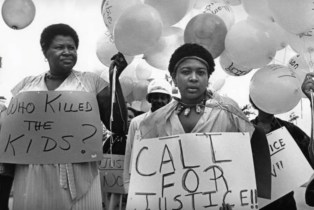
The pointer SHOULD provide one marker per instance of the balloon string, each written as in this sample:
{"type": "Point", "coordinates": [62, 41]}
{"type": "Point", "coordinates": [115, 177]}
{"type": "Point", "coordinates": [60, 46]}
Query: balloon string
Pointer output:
{"type": "Point", "coordinates": [285, 56]}
{"type": "Point", "coordinates": [309, 58]}
{"type": "Point", "coordinates": [113, 91]}
{"type": "Point", "coordinates": [312, 120]}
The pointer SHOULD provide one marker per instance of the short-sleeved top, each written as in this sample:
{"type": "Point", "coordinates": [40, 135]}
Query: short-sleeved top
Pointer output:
{"type": "Point", "coordinates": [38, 184]}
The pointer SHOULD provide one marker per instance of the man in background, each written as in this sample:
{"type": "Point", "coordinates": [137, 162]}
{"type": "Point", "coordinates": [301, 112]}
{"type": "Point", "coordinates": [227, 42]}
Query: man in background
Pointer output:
{"type": "Point", "coordinates": [158, 95]}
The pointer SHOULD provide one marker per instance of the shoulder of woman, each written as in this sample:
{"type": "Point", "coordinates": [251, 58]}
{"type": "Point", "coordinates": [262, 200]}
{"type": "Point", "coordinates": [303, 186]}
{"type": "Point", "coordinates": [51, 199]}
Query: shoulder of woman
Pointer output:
{"type": "Point", "coordinates": [91, 76]}
{"type": "Point", "coordinates": [225, 100]}
{"type": "Point", "coordinates": [22, 83]}
{"type": "Point", "coordinates": [226, 104]}
{"type": "Point", "coordinates": [86, 73]}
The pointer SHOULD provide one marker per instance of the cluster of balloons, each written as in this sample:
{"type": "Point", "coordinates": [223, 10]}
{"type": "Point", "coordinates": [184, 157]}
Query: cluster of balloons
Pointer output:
{"type": "Point", "coordinates": [148, 31]}
{"type": "Point", "coordinates": [276, 88]}
{"type": "Point", "coordinates": [153, 29]}
{"type": "Point", "coordinates": [144, 31]}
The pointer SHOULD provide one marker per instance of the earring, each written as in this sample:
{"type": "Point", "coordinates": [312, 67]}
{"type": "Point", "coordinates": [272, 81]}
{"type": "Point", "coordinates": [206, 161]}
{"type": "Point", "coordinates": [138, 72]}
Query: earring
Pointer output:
{"type": "Point", "coordinates": [45, 60]}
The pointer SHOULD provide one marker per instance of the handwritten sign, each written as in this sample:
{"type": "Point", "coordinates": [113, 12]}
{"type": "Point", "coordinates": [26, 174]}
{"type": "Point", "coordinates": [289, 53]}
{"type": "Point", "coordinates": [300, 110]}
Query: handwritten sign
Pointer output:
{"type": "Point", "coordinates": [290, 169]}
{"type": "Point", "coordinates": [51, 127]}
{"type": "Point", "coordinates": [111, 174]}
{"type": "Point", "coordinates": [193, 171]}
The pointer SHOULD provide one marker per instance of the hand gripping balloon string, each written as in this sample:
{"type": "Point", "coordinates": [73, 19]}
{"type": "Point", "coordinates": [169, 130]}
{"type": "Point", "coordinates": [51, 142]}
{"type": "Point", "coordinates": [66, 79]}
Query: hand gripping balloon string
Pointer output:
{"type": "Point", "coordinates": [310, 65]}
{"type": "Point", "coordinates": [113, 91]}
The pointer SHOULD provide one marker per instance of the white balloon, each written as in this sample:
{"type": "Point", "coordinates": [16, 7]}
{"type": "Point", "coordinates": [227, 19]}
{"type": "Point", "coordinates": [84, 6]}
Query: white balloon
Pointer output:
{"type": "Point", "coordinates": [171, 11]}
{"type": "Point", "coordinates": [127, 85]}
{"type": "Point", "coordinates": [137, 29]}
{"type": "Point", "coordinates": [143, 70]}
{"type": "Point", "coordinates": [106, 48]}
{"type": "Point", "coordinates": [222, 10]}
{"type": "Point", "coordinates": [303, 42]}
{"type": "Point", "coordinates": [145, 105]}
{"type": "Point", "coordinates": [184, 21]}
{"type": "Point", "coordinates": [252, 49]}
{"type": "Point", "coordinates": [207, 30]}
{"type": "Point", "coordinates": [18, 14]}
{"type": "Point", "coordinates": [273, 30]}
{"type": "Point", "coordinates": [112, 9]}
{"type": "Point", "coordinates": [159, 55]}
{"type": "Point", "coordinates": [140, 90]}
{"type": "Point", "coordinates": [136, 104]}
{"type": "Point", "coordinates": [294, 16]}
{"type": "Point", "coordinates": [232, 68]}
{"type": "Point", "coordinates": [258, 9]}
{"type": "Point", "coordinates": [105, 75]}
{"type": "Point", "coordinates": [298, 62]}
{"type": "Point", "coordinates": [275, 89]}
{"type": "Point", "coordinates": [129, 71]}
{"type": "Point", "coordinates": [199, 4]}
{"type": "Point", "coordinates": [233, 2]}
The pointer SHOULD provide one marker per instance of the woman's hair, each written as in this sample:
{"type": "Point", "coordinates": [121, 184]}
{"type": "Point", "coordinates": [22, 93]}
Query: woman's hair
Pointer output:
{"type": "Point", "coordinates": [191, 50]}
{"type": "Point", "coordinates": [50, 32]}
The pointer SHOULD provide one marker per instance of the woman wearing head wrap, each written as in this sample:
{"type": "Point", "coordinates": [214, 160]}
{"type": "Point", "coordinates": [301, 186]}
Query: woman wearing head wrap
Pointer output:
{"type": "Point", "coordinates": [70, 185]}
{"type": "Point", "coordinates": [198, 110]}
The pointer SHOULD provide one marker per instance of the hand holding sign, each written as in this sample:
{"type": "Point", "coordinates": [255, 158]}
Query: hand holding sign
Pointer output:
{"type": "Point", "coordinates": [177, 172]}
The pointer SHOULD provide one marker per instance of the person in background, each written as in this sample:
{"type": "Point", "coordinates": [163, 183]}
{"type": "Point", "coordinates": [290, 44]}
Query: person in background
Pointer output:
{"type": "Point", "coordinates": [308, 89]}
{"type": "Point", "coordinates": [6, 170]}
{"type": "Point", "coordinates": [308, 85]}
{"type": "Point", "coordinates": [117, 144]}
{"type": "Point", "coordinates": [116, 147]}
{"type": "Point", "coordinates": [48, 186]}
{"type": "Point", "coordinates": [159, 92]}
{"type": "Point", "coordinates": [133, 113]}
{"type": "Point", "coordinates": [198, 110]}
{"type": "Point", "coordinates": [268, 122]}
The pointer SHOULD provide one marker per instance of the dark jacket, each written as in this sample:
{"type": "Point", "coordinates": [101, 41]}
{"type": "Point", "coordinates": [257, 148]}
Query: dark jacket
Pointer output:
{"type": "Point", "coordinates": [287, 202]}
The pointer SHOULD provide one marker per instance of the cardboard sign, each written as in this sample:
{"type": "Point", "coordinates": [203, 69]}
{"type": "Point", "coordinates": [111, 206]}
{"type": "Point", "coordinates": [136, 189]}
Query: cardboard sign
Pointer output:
{"type": "Point", "coordinates": [193, 171]}
{"type": "Point", "coordinates": [290, 169]}
{"type": "Point", "coordinates": [111, 174]}
{"type": "Point", "coordinates": [51, 127]}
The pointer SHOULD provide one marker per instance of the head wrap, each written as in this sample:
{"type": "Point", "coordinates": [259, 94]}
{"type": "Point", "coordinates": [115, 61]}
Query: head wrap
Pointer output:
{"type": "Point", "coordinates": [191, 51]}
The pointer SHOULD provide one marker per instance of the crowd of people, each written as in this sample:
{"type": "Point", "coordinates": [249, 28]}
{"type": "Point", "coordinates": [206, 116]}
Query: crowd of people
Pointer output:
{"type": "Point", "coordinates": [198, 110]}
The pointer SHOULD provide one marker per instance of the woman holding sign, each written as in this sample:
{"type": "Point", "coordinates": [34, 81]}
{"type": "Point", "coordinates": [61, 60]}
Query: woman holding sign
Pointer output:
{"type": "Point", "coordinates": [66, 185]}
{"type": "Point", "coordinates": [198, 110]}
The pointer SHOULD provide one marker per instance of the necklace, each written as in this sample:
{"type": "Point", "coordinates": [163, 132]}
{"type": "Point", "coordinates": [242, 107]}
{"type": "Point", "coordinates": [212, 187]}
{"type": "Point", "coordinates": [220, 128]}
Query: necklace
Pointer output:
{"type": "Point", "coordinates": [51, 76]}
{"type": "Point", "coordinates": [199, 107]}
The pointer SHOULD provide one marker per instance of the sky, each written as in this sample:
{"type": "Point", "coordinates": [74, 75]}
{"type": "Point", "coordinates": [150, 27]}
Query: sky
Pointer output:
{"type": "Point", "coordinates": [21, 53]}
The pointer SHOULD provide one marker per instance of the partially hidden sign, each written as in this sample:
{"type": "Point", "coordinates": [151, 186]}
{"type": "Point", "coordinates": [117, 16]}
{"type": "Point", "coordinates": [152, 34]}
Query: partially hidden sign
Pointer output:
{"type": "Point", "coordinates": [193, 171]}
{"type": "Point", "coordinates": [42, 127]}
{"type": "Point", "coordinates": [290, 168]}
{"type": "Point", "coordinates": [111, 174]}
